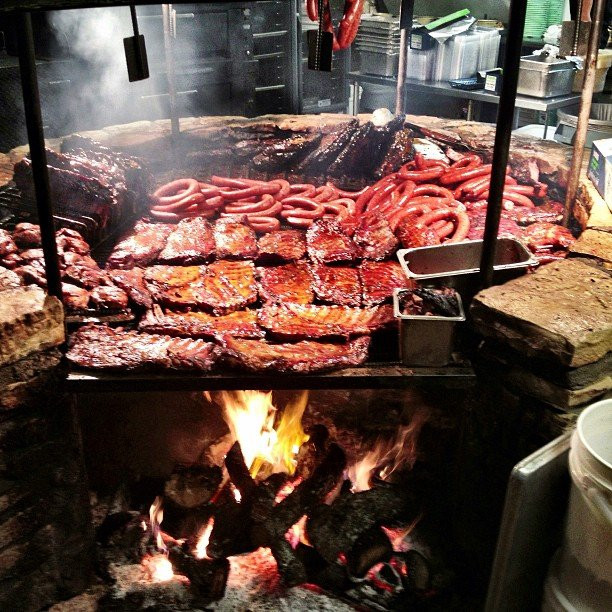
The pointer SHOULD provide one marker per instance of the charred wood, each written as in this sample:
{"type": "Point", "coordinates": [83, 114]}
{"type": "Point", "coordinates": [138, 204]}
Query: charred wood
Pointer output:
{"type": "Point", "coordinates": [239, 472]}
{"type": "Point", "coordinates": [371, 547]}
{"type": "Point", "coordinates": [207, 577]}
{"type": "Point", "coordinates": [335, 529]}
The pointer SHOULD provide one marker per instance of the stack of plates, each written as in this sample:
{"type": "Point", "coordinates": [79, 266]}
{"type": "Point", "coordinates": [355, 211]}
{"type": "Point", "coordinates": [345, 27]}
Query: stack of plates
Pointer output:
{"type": "Point", "coordinates": [379, 33]}
{"type": "Point", "coordinates": [536, 18]}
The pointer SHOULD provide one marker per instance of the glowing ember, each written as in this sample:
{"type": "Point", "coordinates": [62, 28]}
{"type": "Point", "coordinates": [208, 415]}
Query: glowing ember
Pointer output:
{"type": "Point", "coordinates": [388, 455]}
{"type": "Point", "coordinates": [158, 568]}
{"type": "Point", "coordinates": [236, 493]}
{"type": "Point", "coordinates": [251, 418]}
{"type": "Point", "coordinates": [286, 490]}
{"type": "Point", "coordinates": [204, 539]}
{"type": "Point", "coordinates": [297, 533]}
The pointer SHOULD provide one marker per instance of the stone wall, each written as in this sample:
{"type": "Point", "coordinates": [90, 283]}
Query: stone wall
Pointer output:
{"type": "Point", "coordinates": [45, 534]}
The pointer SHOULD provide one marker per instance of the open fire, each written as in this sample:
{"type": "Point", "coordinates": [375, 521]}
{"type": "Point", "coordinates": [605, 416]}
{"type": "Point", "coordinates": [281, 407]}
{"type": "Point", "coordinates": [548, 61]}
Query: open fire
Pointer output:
{"type": "Point", "coordinates": [293, 493]}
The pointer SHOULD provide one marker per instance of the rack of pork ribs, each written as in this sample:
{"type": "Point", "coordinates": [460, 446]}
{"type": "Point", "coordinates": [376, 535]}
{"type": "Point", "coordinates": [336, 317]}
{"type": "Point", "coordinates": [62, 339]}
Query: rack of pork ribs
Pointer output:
{"type": "Point", "coordinates": [215, 293]}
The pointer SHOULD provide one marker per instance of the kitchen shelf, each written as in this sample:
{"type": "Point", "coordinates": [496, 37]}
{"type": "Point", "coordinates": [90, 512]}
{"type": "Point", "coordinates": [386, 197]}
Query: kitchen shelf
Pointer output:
{"type": "Point", "coordinates": [370, 376]}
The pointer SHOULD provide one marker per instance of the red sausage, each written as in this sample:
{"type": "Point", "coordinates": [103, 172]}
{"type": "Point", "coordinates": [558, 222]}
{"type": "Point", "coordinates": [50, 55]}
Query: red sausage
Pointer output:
{"type": "Point", "coordinates": [306, 190]}
{"type": "Point", "coordinates": [225, 181]}
{"type": "Point", "coordinates": [470, 160]}
{"type": "Point", "coordinates": [421, 176]}
{"type": "Point", "coordinates": [241, 207]}
{"type": "Point", "coordinates": [380, 195]}
{"type": "Point", "coordinates": [264, 224]}
{"type": "Point", "coordinates": [254, 190]}
{"type": "Point", "coordinates": [285, 188]}
{"type": "Point", "coordinates": [212, 203]}
{"type": "Point", "coordinates": [434, 190]}
{"type": "Point", "coordinates": [299, 221]}
{"type": "Point", "coordinates": [463, 174]}
{"type": "Point", "coordinates": [347, 194]}
{"type": "Point", "coordinates": [272, 211]}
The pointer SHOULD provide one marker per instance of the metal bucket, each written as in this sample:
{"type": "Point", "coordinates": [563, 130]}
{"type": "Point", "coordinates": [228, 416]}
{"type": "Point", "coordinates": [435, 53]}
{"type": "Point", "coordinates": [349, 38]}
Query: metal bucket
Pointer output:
{"type": "Point", "coordinates": [425, 340]}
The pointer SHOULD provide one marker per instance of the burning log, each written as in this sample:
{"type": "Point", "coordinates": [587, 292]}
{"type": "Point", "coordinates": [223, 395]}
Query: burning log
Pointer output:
{"type": "Point", "coordinates": [187, 494]}
{"type": "Point", "coordinates": [330, 576]}
{"type": "Point", "coordinates": [207, 577]}
{"type": "Point", "coordinates": [192, 486]}
{"type": "Point", "coordinates": [239, 472]}
{"type": "Point", "coordinates": [312, 451]}
{"type": "Point", "coordinates": [371, 547]}
{"type": "Point", "coordinates": [337, 528]}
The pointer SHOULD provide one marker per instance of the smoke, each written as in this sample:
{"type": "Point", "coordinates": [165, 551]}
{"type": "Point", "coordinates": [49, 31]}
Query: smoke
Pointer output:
{"type": "Point", "coordinates": [101, 93]}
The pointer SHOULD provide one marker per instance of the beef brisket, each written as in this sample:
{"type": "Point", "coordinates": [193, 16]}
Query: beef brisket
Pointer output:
{"type": "Point", "coordinates": [289, 283]}
{"type": "Point", "coordinates": [328, 150]}
{"type": "Point", "coordinates": [301, 357]}
{"type": "Point", "coordinates": [286, 152]}
{"type": "Point", "coordinates": [400, 151]}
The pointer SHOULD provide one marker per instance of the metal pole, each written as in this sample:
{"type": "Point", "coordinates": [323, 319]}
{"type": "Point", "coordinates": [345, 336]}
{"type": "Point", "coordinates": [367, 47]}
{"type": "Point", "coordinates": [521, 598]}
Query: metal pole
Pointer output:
{"type": "Point", "coordinates": [406, 14]}
{"type": "Point", "coordinates": [169, 34]}
{"type": "Point", "coordinates": [585, 110]}
{"type": "Point", "coordinates": [503, 132]}
{"type": "Point", "coordinates": [36, 140]}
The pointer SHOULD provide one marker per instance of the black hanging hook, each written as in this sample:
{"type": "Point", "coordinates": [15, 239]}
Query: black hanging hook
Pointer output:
{"type": "Point", "coordinates": [136, 52]}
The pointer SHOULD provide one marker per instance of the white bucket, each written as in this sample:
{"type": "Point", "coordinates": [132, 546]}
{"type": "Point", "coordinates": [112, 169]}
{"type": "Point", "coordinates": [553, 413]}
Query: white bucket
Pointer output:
{"type": "Point", "coordinates": [580, 576]}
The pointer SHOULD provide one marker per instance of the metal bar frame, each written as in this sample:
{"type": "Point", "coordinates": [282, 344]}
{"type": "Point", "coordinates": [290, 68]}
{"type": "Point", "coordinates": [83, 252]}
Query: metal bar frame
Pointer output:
{"type": "Point", "coordinates": [503, 133]}
{"type": "Point", "coordinates": [584, 111]}
{"type": "Point", "coordinates": [406, 15]}
{"type": "Point", "coordinates": [36, 140]}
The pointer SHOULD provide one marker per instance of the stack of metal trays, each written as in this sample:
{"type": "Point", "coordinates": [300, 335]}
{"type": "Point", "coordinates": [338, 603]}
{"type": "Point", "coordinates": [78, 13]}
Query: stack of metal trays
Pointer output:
{"type": "Point", "coordinates": [378, 42]}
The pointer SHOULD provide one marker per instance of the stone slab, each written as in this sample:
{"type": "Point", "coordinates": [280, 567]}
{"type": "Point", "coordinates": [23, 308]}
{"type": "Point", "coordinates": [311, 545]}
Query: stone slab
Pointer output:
{"type": "Point", "coordinates": [562, 313]}
{"type": "Point", "coordinates": [30, 321]}
{"type": "Point", "coordinates": [595, 243]}
{"type": "Point", "coordinates": [568, 378]}
{"type": "Point", "coordinates": [528, 383]}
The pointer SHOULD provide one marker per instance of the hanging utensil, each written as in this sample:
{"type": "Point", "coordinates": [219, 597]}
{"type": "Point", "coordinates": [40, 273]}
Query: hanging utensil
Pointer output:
{"type": "Point", "coordinates": [136, 52]}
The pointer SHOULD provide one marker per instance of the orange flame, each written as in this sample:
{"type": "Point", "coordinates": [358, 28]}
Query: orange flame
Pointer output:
{"type": "Point", "coordinates": [388, 455]}
{"type": "Point", "coordinates": [251, 418]}
{"type": "Point", "coordinates": [204, 539]}
{"type": "Point", "coordinates": [156, 516]}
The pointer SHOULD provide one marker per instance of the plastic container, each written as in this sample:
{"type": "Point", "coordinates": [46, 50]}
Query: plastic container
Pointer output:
{"type": "Point", "coordinates": [488, 54]}
{"type": "Point", "coordinates": [419, 64]}
{"type": "Point", "coordinates": [580, 575]}
{"type": "Point", "coordinates": [604, 61]}
{"type": "Point", "coordinates": [426, 340]}
{"type": "Point", "coordinates": [458, 57]}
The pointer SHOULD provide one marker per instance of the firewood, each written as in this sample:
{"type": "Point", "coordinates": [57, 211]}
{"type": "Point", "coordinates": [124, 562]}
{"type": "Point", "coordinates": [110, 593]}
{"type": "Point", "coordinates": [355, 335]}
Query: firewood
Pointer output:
{"type": "Point", "coordinates": [312, 451]}
{"type": "Point", "coordinates": [310, 492]}
{"type": "Point", "coordinates": [335, 529]}
{"type": "Point", "coordinates": [370, 548]}
{"type": "Point", "coordinates": [330, 576]}
{"type": "Point", "coordinates": [192, 486]}
{"type": "Point", "coordinates": [239, 472]}
{"type": "Point", "coordinates": [207, 577]}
